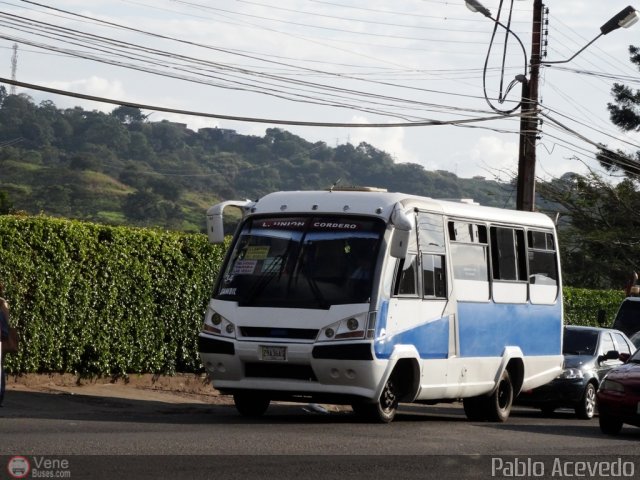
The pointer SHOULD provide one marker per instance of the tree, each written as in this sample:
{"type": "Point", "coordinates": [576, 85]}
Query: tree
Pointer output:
{"type": "Point", "coordinates": [600, 221]}
{"type": "Point", "coordinates": [599, 229]}
{"type": "Point", "coordinates": [128, 115]}
{"type": "Point", "coordinates": [625, 114]}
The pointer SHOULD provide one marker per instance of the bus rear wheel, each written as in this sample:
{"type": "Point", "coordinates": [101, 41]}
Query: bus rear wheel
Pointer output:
{"type": "Point", "coordinates": [501, 400]}
{"type": "Point", "coordinates": [475, 408]}
{"type": "Point", "coordinates": [495, 407]}
{"type": "Point", "coordinates": [251, 404]}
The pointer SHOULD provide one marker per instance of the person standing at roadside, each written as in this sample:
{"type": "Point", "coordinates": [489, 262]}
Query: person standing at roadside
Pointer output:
{"type": "Point", "coordinates": [4, 335]}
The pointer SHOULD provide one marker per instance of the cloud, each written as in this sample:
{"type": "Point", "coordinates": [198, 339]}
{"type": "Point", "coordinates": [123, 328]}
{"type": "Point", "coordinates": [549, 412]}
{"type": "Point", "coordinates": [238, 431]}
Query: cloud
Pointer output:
{"type": "Point", "coordinates": [493, 157]}
{"type": "Point", "coordinates": [94, 86]}
{"type": "Point", "coordinates": [391, 140]}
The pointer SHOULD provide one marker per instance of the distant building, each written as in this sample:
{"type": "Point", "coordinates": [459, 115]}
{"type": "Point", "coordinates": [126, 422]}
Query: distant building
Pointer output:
{"type": "Point", "coordinates": [218, 133]}
{"type": "Point", "coordinates": [176, 124]}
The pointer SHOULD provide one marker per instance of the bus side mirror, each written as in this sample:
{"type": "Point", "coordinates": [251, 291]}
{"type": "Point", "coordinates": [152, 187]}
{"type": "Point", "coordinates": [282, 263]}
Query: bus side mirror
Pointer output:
{"type": "Point", "coordinates": [215, 224]}
{"type": "Point", "coordinates": [403, 225]}
{"type": "Point", "coordinates": [215, 228]}
{"type": "Point", "coordinates": [399, 243]}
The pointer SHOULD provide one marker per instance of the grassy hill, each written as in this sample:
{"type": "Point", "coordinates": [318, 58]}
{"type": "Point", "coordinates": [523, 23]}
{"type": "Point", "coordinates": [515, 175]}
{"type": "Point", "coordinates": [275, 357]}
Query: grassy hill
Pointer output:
{"type": "Point", "coordinates": [118, 168]}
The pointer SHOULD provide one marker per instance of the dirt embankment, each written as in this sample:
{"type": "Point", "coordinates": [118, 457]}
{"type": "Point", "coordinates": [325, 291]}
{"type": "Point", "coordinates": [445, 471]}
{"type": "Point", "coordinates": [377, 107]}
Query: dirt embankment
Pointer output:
{"type": "Point", "coordinates": [176, 388]}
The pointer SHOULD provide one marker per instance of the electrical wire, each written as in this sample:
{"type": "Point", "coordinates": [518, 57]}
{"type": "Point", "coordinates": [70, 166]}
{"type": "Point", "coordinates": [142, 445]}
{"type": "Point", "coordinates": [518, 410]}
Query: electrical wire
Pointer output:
{"type": "Point", "coordinates": [521, 78]}
{"type": "Point", "coordinates": [156, 108]}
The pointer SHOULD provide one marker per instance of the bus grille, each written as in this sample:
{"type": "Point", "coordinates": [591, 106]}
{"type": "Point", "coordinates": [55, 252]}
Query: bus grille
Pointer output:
{"type": "Point", "coordinates": [267, 332]}
{"type": "Point", "coordinates": [280, 370]}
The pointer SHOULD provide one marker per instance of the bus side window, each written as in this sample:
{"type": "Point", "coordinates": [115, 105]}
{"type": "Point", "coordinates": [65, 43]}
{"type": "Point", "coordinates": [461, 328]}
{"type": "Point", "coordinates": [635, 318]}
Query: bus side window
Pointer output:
{"type": "Point", "coordinates": [407, 277]}
{"type": "Point", "coordinates": [543, 270]}
{"type": "Point", "coordinates": [470, 260]}
{"type": "Point", "coordinates": [434, 279]}
{"type": "Point", "coordinates": [507, 254]}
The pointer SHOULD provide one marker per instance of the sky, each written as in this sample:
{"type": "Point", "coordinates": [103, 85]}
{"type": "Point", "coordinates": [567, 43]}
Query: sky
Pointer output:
{"type": "Point", "coordinates": [339, 61]}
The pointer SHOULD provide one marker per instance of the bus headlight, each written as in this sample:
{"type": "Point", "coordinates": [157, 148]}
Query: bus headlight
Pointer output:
{"type": "Point", "coordinates": [352, 324]}
{"type": "Point", "coordinates": [216, 324]}
{"type": "Point", "coordinates": [347, 328]}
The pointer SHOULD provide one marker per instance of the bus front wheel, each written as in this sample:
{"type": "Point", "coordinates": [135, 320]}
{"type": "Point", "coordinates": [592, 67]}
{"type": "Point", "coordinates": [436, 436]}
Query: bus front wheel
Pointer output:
{"type": "Point", "coordinates": [384, 410]}
{"type": "Point", "coordinates": [251, 404]}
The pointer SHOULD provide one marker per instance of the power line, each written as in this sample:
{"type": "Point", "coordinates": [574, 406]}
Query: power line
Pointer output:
{"type": "Point", "coordinates": [252, 119]}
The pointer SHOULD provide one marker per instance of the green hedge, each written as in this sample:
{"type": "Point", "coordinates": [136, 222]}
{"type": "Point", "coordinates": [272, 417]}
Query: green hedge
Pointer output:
{"type": "Point", "coordinates": [100, 300]}
{"type": "Point", "coordinates": [96, 300]}
{"type": "Point", "coordinates": [581, 306]}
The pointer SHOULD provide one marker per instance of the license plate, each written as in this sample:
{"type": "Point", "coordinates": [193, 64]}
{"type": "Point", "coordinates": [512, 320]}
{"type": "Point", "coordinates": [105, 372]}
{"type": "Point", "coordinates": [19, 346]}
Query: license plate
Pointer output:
{"type": "Point", "coordinates": [271, 353]}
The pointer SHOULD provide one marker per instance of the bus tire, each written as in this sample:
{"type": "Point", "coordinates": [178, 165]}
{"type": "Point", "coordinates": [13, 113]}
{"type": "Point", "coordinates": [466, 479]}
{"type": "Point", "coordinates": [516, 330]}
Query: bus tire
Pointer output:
{"type": "Point", "coordinates": [475, 408]}
{"type": "Point", "coordinates": [251, 404]}
{"type": "Point", "coordinates": [385, 409]}
{"type": "Point", "coordinates": [501, 399]}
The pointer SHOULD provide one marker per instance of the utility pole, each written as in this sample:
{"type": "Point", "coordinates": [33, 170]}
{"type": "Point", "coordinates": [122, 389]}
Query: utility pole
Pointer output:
{"type": "Point", "coordinates": [526, 186]}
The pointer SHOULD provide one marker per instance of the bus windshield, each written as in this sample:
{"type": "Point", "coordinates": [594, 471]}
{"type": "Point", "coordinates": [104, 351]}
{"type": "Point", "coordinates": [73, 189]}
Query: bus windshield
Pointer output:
{"type": "Point", "coordinates": [302, 262]}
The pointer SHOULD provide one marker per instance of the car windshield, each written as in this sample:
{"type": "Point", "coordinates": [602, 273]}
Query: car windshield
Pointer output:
{"type": "Point", "coordinates": [302, 262]}
{"type": "Point", "coordinates": [628, 318]}
{"type": "Point", "coordinates": [635, 358]}
{"type": "Point", "coordinates": [579, 342]}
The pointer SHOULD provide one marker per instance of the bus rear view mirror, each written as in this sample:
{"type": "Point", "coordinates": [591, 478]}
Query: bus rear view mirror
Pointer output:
{"type": "Point", "coordinates": [215, 223]}
{"type": "Point", "coordinates": [215, 228]}
{"type": "Point", "coordinates": [399, 243]}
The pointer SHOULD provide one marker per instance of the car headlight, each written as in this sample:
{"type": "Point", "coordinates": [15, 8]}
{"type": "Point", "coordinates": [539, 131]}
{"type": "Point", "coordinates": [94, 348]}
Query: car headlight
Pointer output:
{"type": "Point", "coordinates": [571, 374]}
{"type": "Point", "coordinates": [611, 386]}
{"type": "Point", "coordinates": [216, 324]}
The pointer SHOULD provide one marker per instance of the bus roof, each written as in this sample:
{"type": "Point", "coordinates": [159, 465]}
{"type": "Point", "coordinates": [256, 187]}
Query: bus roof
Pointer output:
{"type": "Point", "coordinates": [381, 204]}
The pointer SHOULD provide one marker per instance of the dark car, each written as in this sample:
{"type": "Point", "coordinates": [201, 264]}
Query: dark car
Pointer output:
{"type": "Point", "coordinates": [628, 316]}
{"type": "Point", "coordinates": [619, 397]}
{"type": "Point", "coordinates": [589, 353]}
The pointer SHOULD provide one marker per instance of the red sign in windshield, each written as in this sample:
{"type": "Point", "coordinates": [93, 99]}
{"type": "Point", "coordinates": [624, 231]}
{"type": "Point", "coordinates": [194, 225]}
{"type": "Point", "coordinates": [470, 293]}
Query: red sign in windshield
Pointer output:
{"type": "Point", "coordinates": [313, 224]}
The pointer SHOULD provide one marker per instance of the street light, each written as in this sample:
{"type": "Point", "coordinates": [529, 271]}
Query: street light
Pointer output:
{"type": "Point", "coordinates": [525, 198]}
{"type": "Point", "coordinates": [627, 17]}
{"type": "Point", "coordinates": [477, 7]}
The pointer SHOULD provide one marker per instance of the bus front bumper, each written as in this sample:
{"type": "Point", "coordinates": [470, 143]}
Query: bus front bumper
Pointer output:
{"type": "Point", "coordinates": [316, 370]}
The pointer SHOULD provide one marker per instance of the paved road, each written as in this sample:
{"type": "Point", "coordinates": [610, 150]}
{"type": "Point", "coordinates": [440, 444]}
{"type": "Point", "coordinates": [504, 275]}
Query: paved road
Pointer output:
{"type": "Point", "coordinates": [36, 424]}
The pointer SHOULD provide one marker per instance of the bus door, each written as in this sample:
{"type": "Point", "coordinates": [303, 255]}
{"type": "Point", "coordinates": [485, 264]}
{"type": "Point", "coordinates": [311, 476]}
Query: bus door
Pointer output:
{"type": "Point", "coordinates": [419, 318]}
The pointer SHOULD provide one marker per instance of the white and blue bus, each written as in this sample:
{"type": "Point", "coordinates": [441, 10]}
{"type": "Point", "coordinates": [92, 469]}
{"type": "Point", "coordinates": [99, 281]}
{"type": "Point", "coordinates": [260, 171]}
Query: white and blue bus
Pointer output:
{"type": "Point", "coordinates": [367, 298]}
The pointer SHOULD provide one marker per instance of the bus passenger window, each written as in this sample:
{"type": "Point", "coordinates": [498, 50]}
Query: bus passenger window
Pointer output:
{"type": "Point", "coordinates": [542, 259]}
{"type": "Point", "coordinates": [406, 278]}
{"type": "Point", "coordinates": [470, 260]}
{"type": "Point", "coordinates": [543, 268]}
{"type": "Point", "coordinates": [434, 280]}
{"type": "Point", "coordinates": [508, 254]}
